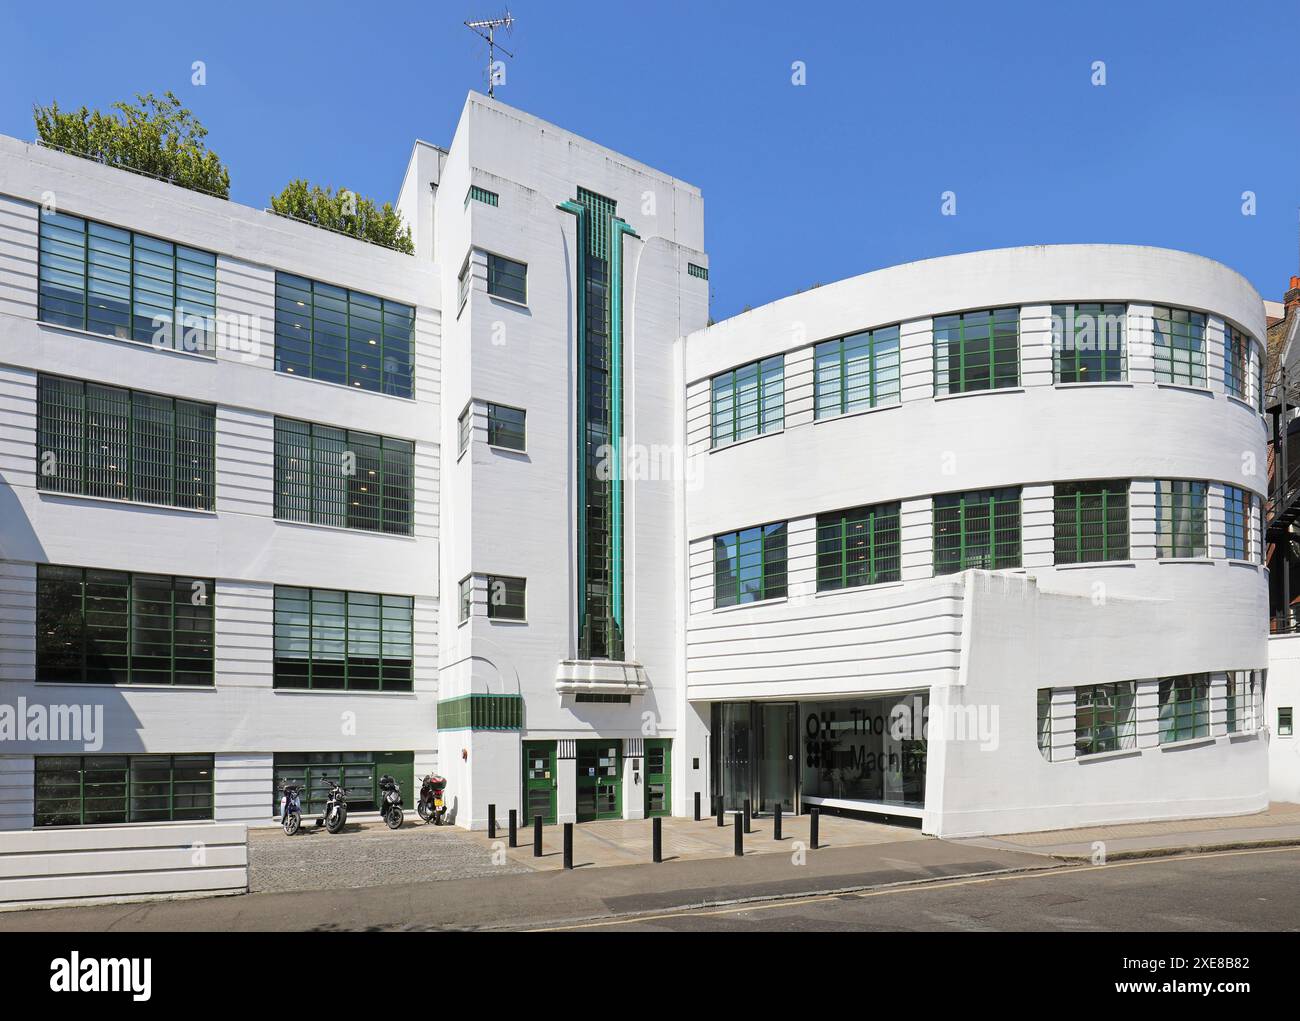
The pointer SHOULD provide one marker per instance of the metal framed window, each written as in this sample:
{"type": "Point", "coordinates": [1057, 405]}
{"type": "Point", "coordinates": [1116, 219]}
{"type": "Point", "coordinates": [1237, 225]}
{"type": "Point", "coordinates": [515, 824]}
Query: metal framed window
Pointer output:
{"type": "Point", "coordinates": [357, 641]}
{"type": "Point", "coordinates": [858, 547]}
{"type": "Point", "coordinates": [464, 429]}
{"type": "Point", "coordinates": [465, 593]}
{"type": "Point", "coordinates": [1091, 521]}
{"type": "Point", "coordinates": [852, 373]}
{"type": "Point", "coordinates": [1241, 701]}
{"type": "Point", "coordinates": [1179, 338]}
{"type": "Point", "coordinates": [463, 281]}
{"type": "Point", "coordinates": [1184, 707]}
{"type": "Point", "coordinates": [1044, 723]}
{"type": "Point", "coordinates": [99, 790]}
{"type": "Point", "coordinates": [605, 698]}
{"type": "Point", "coordinates": [701, 272]}
{"type": "Point", "coordinates": [122, 284]}
{"type": "Point", "coordinates": [977, 351]}
{"type": "Point", "coordinates": [506, 427]}
{"type": "Point", "coordinates": [1180, 518]}
{"type": "Point", "coordinates": [507, 278]}
{"type": "Point", "coordinates": [1285, 727]}
{"type": "Point", "coordinates": [1236, 522]}
{"type": "Point", "coordinates": [357, 772]}
{"type": "Point", "coordinates": [750, 565]}
{"type": "Point", "coordinates": [748, 401]}
{"type": "Point", "coordinates": [105, 441]}
{"type": "Point", "coordinates": [1105, 717]}
{"type": "Point", "coordinates": [979, 529]}
{"type": "Point", "coordinates": [506, 598]}
{"type": "Point", "coordinates": [1236, 361]}
{"type": "Point", "coordinates": [1088, 342]}
{"type": "Point", "coordinates": [330, 476]}
{"type": "Point", "coordinates": [113, 627]}
{"type": "Point", "coordinates": [336, 335]}
{"type": "Point", "coordinates": [477, 194]}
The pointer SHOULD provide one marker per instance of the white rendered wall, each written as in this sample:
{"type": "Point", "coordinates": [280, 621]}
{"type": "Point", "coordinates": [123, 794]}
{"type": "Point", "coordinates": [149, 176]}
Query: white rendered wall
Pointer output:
{"type": "Point", "coordinates": [1282, 689]}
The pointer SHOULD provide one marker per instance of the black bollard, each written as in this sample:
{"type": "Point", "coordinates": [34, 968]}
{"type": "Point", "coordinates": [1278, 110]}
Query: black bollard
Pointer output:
{"type": "Point", "coordinates": [568, 845]}
{"type": "Point", "coordinates": [776, 821]}
{"type": "Point", "coordinates": [697, 806]}
{"type": "Point", "coordinates": [740, 835]}
{"type": "Point", "coordinates": [492, 822]}
{"type": "Point", "coordinates": [657, 840]}
{"type": "Point", "coordinates": [514, 828]}
{"type": "Point", "coordinates": [720, 811]}
{"type": "Point", "coordinates": [747, 829]}
{"type": "Point", "coordinates": [812, 829]}
{"type": "Point", "coordinates": [537, 836]}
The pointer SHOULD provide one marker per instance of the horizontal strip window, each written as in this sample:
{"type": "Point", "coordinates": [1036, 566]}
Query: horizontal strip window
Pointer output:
{"type": "Point", "coordinates": [1179, 338]}
{"type": "Point", "coordinates": [1105, 717]}
{"type": "Point", "coordinates": [105, 441]}
{"type": "Point", "coordinates": [1088, 343]}
{"type": "Point", "coordinates": [1091, 521]}
{"type": "Point", "coordinates": [112, 627]}
{"type": "Point", "coordinates": [977, 530]}
{"type": "Point", "coordinates": [1184, 707]}
{"type": "Point", "coordinates": [857, 372]}
{"type": "Point", "coordinates": [100, 790]}
{"type": "Point", "coordinates": [506, 426]}
{"type": "Point", "coordinates": [122, 284]}
{"type": "Point", "coordinates": [600, 697]}
{"type": "Point", "coordinates": [506, 597]}
{"type": "Point", "coordinates": [1236, 361]}
{"type": "Point", "coordinates": [477, 194]}
{"type": "Point", "coordinates": [481, 712]}
{"type": "Point", "coordinates": [858, 547]}
{"type": "Point", "coordinates": [341, 336]}
{"type": "Point", "coordinates": [750, 565]}
{"type": "Point", "coordinates": [1180, 519]}
{"type": "Point", "coordinates": [330, 476]}
{"type": "Point", "coordinates": [977, 351]}
{"type": "Point", "coordinates": [748, 401]}
{"type": "Point", "coordinates": [357, 641]}
{"type": "Point", "coordinates": [700, 272]}
{"type": "Point", "coordinates": [507, 278]}
{"type": "Point", "coordinates": [1236, 523]}
{"type": "Point", "coordinates": [357, 772]}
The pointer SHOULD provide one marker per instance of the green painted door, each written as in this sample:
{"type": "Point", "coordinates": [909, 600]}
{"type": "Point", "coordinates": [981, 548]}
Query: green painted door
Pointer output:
{"type": "Point", "coordinates": [658, 776]}
{"type": "Point", "coordinates": [539, 782]}
{"type": "Point", "coordinates": [600, 780]}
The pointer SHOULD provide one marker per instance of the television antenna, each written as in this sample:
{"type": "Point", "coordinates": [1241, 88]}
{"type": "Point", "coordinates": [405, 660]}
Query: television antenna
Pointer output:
{"type": "Point", "coordinates": [487, 29]}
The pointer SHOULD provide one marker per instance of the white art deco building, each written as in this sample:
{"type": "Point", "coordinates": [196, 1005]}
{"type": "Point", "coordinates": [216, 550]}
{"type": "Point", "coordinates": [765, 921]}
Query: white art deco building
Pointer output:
{"type": "Point", "coordinates": [973, 542]}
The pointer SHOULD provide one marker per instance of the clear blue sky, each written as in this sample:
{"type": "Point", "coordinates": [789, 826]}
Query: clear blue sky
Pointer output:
{"type": "Point", "coordinates": [802, 185]}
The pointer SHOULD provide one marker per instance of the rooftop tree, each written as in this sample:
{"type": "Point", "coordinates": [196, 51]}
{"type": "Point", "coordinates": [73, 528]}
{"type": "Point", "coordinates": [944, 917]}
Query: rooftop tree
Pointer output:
{"type": "Point", "coordinates": [155, 136]}
{"type": "Point", "coordinates": [346, 212]}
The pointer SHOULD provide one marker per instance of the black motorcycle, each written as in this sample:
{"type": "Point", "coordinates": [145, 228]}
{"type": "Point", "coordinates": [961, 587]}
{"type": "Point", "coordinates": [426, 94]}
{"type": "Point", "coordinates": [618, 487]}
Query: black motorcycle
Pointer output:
{"type": "Point", "coordinates": [433, 806]}
{"type": "Point", "coordinates": [290, 807]}
{"type": "Point", "coordinates": [390, 802]}
{"type": "Point", "coordinates": [336, 808]}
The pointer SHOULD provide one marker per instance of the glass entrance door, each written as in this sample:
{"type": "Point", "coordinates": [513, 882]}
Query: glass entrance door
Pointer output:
{"type": "Point", "coordinates": [756, 755]}
{"type": "Point", "coordinates": [600, 780]}
{"type": "Point", "coordinates": [735, 744]}
{"type": "Point", "coordinates": [778, 763]}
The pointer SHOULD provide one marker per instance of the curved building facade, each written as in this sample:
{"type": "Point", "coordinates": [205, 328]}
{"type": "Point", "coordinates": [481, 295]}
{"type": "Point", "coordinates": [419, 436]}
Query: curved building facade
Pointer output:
{"type": "Point", "coordinates": [978, 540]}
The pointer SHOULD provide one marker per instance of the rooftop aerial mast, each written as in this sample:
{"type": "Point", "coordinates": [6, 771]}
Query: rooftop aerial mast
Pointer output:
{"type": "Point", "coordinates": [487, 28]}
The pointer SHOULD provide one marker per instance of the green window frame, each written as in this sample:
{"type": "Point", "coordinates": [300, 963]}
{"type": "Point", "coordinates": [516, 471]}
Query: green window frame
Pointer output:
{"type": "Point", "coordinates": [1241, 701]}
{"type": "Point", "coordinates": [602, 698]}
{"type": "Point", "coordinates": [700, 272]}
{"type": "Point", "coordinates": [465, 595]}
{"type": "Point", "coordinates": [860, 546]}
{"type": "Point", "coordinates": [1091, 521]}
{"type": "Point", "coordinates": [346, 479]}
{"type": "Point", "coordinates": [481, 712]}
{"type": "Point", "coordinates": [507, 278]}
{"type": "Point", "coordinates": [119, 283]}
{"type": "Point", "coordinates": [114, 627]}
{"type": "Point", "coordinates": [1236, 522]}
{"type": "Point", "coordinates": [1105, 717]}
{"type": "Point", "coordinates": [1236, 361]}
{"type": "Point", "coordinates": [1179, 338]}
{"type": "Point", "coordinates": [357, 772]}
{"type": "Point", "coordinates": [328, 639]}
{"type": "Point", "coordinates": [1184, 707]}
{"type": "Point", "coordinates": [101, 790]}
{"type": "Point", "coordinates": [477, 194]}
{"type": "Point", "coordinates": [977, 351]}
{"type": "Point", "coordinates": [748, 401]}
{"type": "Point", "coordinates": [856, 372]}
{"type": "Point", "coordinates": [750, 565]}
{"type": "Point", "coordinates": [506, 427]}
{"type": "Point", "coordinates": [119, 444]}
{"type": "Point", "coordinates": [336, 335]}
{"type": "Point", "coordinates": [978, 529]}
{"type": "Point", "coordinates": [1285, 725]}
{"type": "Point", "coordinates": [1088, 342]}
{"type": "Point", "coordinates": [506, 597]}
{"type": "Point", "coordinates": [1180, 519]}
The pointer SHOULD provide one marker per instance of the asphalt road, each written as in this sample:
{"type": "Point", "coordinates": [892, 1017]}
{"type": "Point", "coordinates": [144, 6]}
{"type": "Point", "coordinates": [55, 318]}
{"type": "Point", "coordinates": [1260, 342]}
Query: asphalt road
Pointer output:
{"type": "Point", "coordinates": [1232, 891]}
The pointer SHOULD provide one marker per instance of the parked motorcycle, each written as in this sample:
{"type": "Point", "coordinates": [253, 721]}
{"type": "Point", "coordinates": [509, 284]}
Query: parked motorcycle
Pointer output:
{"type": "Point", "coordinates": [390, 802]}
{"type": "Point", "coordinates": [432, 808]}
{"type": "Point", "coordinates": [290, 807]}
{"type": "Point", "coordinates": [336, 808]}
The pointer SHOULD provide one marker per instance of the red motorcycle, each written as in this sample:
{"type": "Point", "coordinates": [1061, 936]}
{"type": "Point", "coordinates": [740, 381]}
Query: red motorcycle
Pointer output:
{"type": "Point", "coordinates": [432, 807]}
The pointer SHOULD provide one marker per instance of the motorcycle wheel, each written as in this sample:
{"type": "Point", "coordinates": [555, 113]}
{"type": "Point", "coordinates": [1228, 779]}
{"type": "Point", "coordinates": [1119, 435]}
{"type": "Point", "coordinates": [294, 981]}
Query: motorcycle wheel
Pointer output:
{"type": "Point", "coordinates": [394, 818]}
{"type": "Point", "coordinates": [335, 822]}
{"type": "Point", "coordinates": [422, 809]}
{"type": "Point", "coordinates": [290, 824]}
{"type": "Point", "coordinates": [437, 819]}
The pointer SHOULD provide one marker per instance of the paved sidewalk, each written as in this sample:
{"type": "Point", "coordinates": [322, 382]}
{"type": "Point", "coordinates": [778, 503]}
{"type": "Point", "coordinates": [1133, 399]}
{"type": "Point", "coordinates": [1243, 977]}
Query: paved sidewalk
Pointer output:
{"type": "Point", "coordinates": [1279, 825]}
